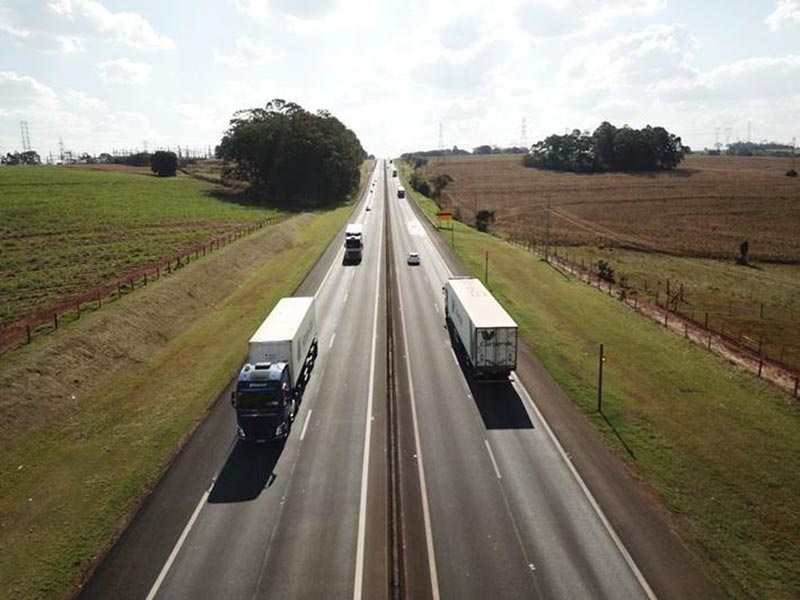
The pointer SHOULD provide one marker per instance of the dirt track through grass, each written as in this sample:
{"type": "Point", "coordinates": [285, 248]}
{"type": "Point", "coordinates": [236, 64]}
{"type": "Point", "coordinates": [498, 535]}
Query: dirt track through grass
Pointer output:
{"type": "Point", "coordinates": [720, 448]}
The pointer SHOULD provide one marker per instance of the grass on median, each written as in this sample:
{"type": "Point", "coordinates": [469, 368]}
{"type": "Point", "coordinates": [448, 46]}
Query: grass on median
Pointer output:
{"type": "Point", "coordinates": [70, 484]}
{"type": "Point", "coordinates": [721, 448]}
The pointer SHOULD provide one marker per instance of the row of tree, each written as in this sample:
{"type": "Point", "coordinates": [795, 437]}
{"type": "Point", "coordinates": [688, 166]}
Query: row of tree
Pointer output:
{"type": "Point", "coordinates": [760, 149]}
{"type": "Point", "coordinates": [608, 149]}
{"type": "Point", "coordinates": [292, 155]}
{"type": "Point", "coordinates": [21, 158]}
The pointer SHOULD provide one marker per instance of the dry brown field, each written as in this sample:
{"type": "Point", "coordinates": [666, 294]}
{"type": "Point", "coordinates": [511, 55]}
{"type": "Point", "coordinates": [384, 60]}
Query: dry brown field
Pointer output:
{"type": "Point", "coordinates": [706, 208]}
{"type": "Point", "coordinates": [683, 227]}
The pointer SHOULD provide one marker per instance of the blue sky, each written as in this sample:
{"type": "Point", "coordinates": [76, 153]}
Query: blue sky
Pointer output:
{"type": "Point", "coordinates": [105, 74]}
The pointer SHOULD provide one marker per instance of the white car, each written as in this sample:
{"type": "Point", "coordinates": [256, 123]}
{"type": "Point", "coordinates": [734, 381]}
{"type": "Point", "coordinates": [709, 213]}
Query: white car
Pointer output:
{"type": "Point", "coordinates": [413, 258]}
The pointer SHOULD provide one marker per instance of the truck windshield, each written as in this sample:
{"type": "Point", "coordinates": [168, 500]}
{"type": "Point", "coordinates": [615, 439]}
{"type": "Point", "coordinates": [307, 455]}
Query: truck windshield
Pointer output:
{"type": "Point", "coordinates": [353, 242]}
{"type": "Point", "coordinates": [268, 399]}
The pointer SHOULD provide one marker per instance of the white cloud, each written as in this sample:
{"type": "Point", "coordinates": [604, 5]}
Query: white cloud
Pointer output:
{"type": "Point", "coordinates": [124, 70]}
{"type": "Point", "coordinates": [248, 53]}
{"type": "Point", "coordinates": [253, 8]}
{"type": "Point", "coordinates": [757, 77]}
{"type": "Point", "coordinates": [83, 101]}
{"type": "Point", "coordinates": [787, 12]}
{"type": "Point", "coordinates": [129, 28]}
{"type": "Point", "coordinates": [559, 18]}
{"type": "Point", "coordinates": [65, 26]}
{"type": "Point", "coordinates": [653, 55]}
{"type": "Point", "coordinates": [47, 42]}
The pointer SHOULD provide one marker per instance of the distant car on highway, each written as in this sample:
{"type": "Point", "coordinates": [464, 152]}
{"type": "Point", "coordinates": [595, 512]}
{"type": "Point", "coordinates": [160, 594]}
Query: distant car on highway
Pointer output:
{"type": "Point", "coordinates": [413, 258]}
{"type": "Point", "coordinates": [369, 207]}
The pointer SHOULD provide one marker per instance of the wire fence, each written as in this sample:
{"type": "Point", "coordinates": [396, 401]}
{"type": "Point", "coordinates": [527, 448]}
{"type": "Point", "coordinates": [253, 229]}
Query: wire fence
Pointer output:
{"type": "Point", "coordinates": [23, 330]}
{"type": "Point", "coordinates": [672, 312]}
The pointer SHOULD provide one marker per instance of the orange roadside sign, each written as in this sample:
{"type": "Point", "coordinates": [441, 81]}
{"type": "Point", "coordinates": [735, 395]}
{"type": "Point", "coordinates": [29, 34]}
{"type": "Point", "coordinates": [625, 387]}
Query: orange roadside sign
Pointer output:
{"type": "Point", "coordinates": [444, 215]}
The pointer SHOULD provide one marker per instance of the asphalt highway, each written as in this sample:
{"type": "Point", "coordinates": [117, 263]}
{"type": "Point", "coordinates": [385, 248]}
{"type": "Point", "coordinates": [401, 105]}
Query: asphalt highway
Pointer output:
{"type": "Point", "coordinates": [488, 503]}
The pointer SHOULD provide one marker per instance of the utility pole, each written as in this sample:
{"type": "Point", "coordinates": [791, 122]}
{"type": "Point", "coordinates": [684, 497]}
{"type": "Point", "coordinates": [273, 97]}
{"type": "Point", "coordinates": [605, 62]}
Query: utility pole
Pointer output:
{"type": "Point", "coordinates": [600, 382]}
{"type": "Point", "coordinates": [486, 270]}
{"type": "Point", "coordinates": [547, 232]}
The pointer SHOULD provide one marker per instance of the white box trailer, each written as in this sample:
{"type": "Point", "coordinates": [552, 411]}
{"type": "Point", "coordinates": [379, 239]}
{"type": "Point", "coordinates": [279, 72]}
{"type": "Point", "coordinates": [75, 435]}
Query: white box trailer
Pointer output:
{"type": "Point", "coordinates": [280, 357]}
{"type": "Point", "coordinates": [485, 331]}
{"type": "Point", "coordinates": [285, 335]}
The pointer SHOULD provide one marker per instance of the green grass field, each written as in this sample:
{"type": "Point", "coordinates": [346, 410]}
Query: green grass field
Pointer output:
{"type": "Point", "coordinates": [66, 230]}
{"type": "Point", "coordinates": [720, 448]}
{"type": "Point", "coordinates": [78, 460]}
{"type": "Point", "coordinates": [732, 295]}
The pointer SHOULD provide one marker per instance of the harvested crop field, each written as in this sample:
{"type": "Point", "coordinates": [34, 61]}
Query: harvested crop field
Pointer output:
{"type": "Point", "coordinates": [67, 230]}
{"type": "Point", "coordinates": [706, 208]}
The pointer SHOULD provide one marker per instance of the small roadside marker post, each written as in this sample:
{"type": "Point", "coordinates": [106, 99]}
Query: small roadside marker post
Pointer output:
{"type": "Point", "coordinates": [600, 381]}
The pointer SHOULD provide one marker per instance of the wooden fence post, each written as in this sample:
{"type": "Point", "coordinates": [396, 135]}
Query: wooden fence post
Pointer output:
{"type": "Point", "coordinates": [99, 301]}
{"type": "Point", "coordinates": [78, 308]}
{"type": "Point", "coordinates": [706, 322]}
{"type": "Point", "coordinates": [796, 385]}
{"type": "Point", "coordinates": [55, 320]}
{"type": "Point", "coordinates": [119, 289]}
{"type": "Point", "coordinates": [28, 333]}
{"type": "Point", "coordinates": [760, 366]}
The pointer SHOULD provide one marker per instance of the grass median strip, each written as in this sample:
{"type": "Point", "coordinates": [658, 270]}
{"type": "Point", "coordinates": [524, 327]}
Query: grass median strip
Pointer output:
{"type": "Point", "coordinates": [71, 480]}
{"type": "Point", "coordinates": [720, 447]}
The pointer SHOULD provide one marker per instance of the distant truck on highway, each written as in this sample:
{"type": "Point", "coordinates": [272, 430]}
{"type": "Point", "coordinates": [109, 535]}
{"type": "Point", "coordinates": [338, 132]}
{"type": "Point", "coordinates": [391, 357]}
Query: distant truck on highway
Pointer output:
{"type": "Point", "coordinates": [394, 172]}
{"type": "Point", "coordinates": [401, 192]}
{"type": "Point", "coordinates": [280, 357]}
{"type": "Point", "coordinates": [353, 242]}
{"type": "Point", "coordinates": [483, 331]}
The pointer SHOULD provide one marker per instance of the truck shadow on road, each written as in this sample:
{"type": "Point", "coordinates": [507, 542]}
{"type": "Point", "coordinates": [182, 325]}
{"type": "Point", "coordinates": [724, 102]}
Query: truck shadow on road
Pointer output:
{"type": "Point", "coordinates": [500, 405]}
{"type": "Point", "coordinates": [248, 471]}
{"type": "Point", "coordinates": [498, 402]}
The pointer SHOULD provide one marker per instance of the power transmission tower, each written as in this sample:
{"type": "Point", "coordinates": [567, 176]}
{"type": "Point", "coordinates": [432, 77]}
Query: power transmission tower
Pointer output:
{"type": "Point", "coordinates": [749, 129]}
{"type": "Point", "coordinates": [61, 149]}
{"type": "Point", "coordinates": [717, 143]}
{"type": "Point", "coordinates": [728, 131]}
{"type": "Point", "coordinates": [26, 137]}
{"type": "Point", "coordinates": [441, 138]}
{"type": "Point", "coordinates": [523, 134]}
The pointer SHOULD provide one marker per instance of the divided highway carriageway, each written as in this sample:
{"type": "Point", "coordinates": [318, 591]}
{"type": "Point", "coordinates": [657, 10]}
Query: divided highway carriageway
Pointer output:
{"type": "Point", "coordinates": [401, 477]}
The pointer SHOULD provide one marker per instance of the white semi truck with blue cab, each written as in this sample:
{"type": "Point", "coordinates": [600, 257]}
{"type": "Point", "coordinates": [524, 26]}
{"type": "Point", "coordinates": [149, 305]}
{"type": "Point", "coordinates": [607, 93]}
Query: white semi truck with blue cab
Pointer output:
{"type": "Point", "coordinates": [280, 357]}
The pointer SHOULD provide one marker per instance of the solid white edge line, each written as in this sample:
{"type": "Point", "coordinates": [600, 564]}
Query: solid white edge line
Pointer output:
{"type": "Point", "coordinates": [521, 389]}
{"type": "Point", "coordinates": [491, 456]}
{"type": "Point", "coordinates": [420, 467]}
{"type": "Point", "coordinates": [305, 425]}
{"type": "Point", "coordinates": [333, 337]}
{"type": "Point", "coordinates": [613, 534]}
{"type": "Point", "coordinates": [174, 554]}
{"type": "Point", "coordinates": [362, 511]}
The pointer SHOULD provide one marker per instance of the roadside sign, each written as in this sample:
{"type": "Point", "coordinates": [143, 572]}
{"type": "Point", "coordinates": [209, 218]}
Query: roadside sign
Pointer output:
{"type": "Point", "coordinates": [444, 215]}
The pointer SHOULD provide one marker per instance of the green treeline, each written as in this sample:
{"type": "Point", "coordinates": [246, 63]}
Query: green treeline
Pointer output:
{"type": "Point", "coordinates": [294, 156]}
{"type": "Point", "coordinates": [608, 149]}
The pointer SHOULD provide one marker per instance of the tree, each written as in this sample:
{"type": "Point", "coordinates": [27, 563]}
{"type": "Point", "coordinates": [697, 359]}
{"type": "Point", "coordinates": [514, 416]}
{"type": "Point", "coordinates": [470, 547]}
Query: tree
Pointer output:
{"type": "Point", "coordinates": [485, 149]}
{"type": "Point", "coordinates": [293, 155]}
{"type": "Point", "coordinates": [744, 253]}
{"type": "Point", "coordinates": [483, 218]}
{"type": "Point", "coordinates": [21, 158]}
{"type": "Point", "coordinates": [164, 163]}
{"type": "Point", "coordinates": [605, 271]}
{"type": "Point", "coordinates": [439, 183]}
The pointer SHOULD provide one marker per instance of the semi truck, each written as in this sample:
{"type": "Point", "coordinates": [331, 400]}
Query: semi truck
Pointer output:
{"type": "Point", "coordinates": [483, 331]}
{"type": "Point", "coordinates": [401, 192]}
{"type": "Point", "coordinates": [353, 242]}
{"type": "Point", "coordinates": [394, 172]}
{"type": "Point", "coordinates": [280, 357]}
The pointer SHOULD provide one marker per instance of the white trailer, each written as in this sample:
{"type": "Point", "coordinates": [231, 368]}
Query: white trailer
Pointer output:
{"type": "Point", "coordinates": [485, 332]}
{"type": "Point", "coordinates": [280, 357]}
{"type": "Point", "coordinates": [286, 335]}
{"type": "Point", "coordinates": [353, 242]}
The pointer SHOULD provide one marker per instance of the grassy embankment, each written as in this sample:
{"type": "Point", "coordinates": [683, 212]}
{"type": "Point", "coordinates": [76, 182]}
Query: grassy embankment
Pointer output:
{"type": "Point", "coordinates": [80, 454]}
{"type": "Point", "coordinates": [719, 447]}
{"type": "Point", "coordinates": [66, 230]}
